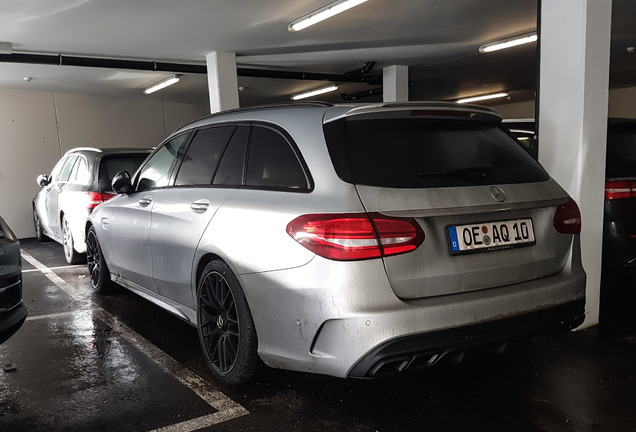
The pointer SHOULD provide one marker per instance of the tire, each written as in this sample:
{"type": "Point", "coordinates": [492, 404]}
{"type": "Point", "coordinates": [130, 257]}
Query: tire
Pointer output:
{"type": "Point", "coordinates": [226, 329]}
{"type": "Point", "coordinates": [71, 255]}
{"type": "Point", "coordinates": [37, 226]}
{"type": "Point", "coordinates": [97, 268]}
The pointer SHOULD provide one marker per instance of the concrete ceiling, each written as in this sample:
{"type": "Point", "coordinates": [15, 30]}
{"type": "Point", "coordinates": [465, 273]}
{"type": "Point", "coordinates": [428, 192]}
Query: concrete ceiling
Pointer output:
{"type": "Point", "coordinates": [437, 39]}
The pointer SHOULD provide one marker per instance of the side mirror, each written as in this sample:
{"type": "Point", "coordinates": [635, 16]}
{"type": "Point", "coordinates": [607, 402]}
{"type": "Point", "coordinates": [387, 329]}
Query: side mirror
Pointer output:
{"type": "Point", "coordinates": [121, 183]}
{"type": "Point", "coordinates": [43, 180]}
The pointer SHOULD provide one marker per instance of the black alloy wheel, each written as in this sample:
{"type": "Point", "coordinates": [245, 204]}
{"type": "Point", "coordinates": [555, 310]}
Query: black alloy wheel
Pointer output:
{"type": "Point", "coordinates": [226, 328]}
{"type": "Point", "coordinates": [97, 269]}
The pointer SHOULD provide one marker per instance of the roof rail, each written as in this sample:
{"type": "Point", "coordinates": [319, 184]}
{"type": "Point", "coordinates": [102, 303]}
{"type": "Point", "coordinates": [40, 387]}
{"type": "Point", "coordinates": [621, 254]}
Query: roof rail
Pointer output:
{"type": "Point", "coordinates": [261, 107]}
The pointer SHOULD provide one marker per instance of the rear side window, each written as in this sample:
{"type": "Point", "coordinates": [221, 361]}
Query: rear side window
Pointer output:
{"type": "Point", "coordinates": [110, 165]}
{"type": "Point", "coordinates": [202, 156]}
{"type": "Point", "coordinates": [79, 173]}
{"type": "Point", "coordinates": [272, 163]}
{"type": "Point", "coordinates": [621, 150]}
{"type": "Point", "coordinates": [424, 153]}
{"type": "Point", "coordinates": [65, 171]}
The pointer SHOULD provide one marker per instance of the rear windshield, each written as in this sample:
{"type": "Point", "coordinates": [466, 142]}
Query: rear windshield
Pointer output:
{"type": "Point", "coordinates": [426, 153]}
{"type": "Point", "coordinates": [113, 164]}
{"type": "Point", "coordinates": [621, 150]}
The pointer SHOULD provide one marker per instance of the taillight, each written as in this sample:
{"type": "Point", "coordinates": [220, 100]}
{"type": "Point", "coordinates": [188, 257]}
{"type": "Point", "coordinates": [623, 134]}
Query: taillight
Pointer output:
{"type": "Point", "coordinates": [356, 236]}
{"type": "Point", "coordinates": [95, 198]}
{"type": "Point", "coordinates": [620, 189]}
{"type": "Point", "coordinates": [567, 218]}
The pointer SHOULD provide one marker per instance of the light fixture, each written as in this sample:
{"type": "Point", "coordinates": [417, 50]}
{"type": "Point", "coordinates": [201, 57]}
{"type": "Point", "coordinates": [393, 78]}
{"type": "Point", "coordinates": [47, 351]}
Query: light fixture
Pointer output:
{"type": "Point", "coordinates": [315, 92]}
{"type": "Point", "coordinates": [508, 43]}
{"type": "Point", "coordinates": [323, 13]}
{"type": "Point", "coordinates": [162, 84]}
{"type": "Point", "coordinates": [484, 97]}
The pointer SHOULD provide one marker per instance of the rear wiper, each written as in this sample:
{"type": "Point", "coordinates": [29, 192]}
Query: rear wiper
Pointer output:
{"type": "Point", "coordinates": [473, 171]}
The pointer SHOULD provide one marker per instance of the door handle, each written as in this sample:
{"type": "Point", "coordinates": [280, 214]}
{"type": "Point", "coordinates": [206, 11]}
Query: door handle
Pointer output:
{"type": "Point", "coordinates": [200, 206]}
{"type": "Point", "coordinates": [145, 201]}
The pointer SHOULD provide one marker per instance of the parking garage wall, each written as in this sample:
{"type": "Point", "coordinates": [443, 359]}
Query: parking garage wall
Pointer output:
{"type": "Point", "coordinates": [39, 127]}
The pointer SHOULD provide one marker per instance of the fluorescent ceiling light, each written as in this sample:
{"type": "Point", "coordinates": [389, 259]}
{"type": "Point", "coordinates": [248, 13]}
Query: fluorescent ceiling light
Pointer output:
{"type": "Point", "coordinates": [315, 92]}
{"type": "Point", "coordinates": [508, 43]}
{"type": "Point", "coordinates": [323, 13]}
{"type": "Point", "coordinates": [484, 97]}
{"type": "Point", "coordinates": [162, 84]}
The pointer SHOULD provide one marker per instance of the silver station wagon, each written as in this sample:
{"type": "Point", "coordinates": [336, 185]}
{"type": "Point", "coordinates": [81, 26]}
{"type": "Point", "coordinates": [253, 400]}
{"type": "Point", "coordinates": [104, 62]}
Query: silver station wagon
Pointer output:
{"type": "Point", "coordinates": [348, 240]}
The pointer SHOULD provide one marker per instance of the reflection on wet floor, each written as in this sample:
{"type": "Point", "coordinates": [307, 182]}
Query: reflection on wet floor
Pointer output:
{"type": "Point", "coordinates": [117, 362]}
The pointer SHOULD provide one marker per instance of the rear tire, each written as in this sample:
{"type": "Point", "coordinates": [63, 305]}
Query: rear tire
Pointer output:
{"type": "Point", "coordinates": [226, 329]}
{"type": "Point", "coordinates": [71, 255]}
{"type": "Point", "coordinates": [97, 268]}
{"type": "Point", "coordinates": [37, 226]}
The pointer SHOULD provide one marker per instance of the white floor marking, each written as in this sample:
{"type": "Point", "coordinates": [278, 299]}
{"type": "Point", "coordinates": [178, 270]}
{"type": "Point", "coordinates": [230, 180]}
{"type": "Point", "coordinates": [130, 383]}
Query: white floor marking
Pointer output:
{"type": "Point", "coordinates": [226, 408]}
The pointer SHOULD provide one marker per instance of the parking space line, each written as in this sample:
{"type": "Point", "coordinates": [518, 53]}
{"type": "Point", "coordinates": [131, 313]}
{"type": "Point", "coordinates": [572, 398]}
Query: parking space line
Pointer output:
{"type": "Point", "coordinates": [53, 268]}
{"type": "Point", "coordinates": [55, 315]}
{"type": "Point", "coordinates": [227, 409]}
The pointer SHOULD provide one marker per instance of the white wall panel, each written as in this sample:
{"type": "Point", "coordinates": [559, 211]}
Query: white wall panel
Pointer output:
{"type": "Point", "coordinates": [28, 146]}
{"type": "Point", "coordinates": [97, 121]}
{"type": "Point", "coordinates": [179, 114]}
{"type": "Point", "coordinates": [38, 127]}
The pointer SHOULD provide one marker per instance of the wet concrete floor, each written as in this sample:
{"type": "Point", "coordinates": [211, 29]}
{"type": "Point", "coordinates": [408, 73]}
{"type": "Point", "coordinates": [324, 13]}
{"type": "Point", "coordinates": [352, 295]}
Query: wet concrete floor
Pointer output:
{"type": "Point", "coordinates": [87, 362]}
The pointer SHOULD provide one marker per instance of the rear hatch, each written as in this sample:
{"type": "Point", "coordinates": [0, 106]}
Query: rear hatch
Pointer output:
{"type": "Point", "coordinates": [486, 207]}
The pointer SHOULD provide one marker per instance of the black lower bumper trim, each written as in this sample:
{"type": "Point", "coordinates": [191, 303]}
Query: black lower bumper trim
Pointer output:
{"type": "Point", "coordinates": [12, 321]}
{"type": "Point", "coordinates": [425, 349]}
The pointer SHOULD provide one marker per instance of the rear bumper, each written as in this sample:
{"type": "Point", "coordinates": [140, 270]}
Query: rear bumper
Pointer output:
{"type": "Point", "coordinates": [425, 349]}
{"type": "Point", "coordinates": [343, 319]}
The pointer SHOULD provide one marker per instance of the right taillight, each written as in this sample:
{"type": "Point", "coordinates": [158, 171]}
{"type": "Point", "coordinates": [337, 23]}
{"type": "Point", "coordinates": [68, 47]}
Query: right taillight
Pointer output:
{"type": "Point", "coordinates": [620, 189]}
{"type": "Point", "coordinates": [355, 236]}
{"type": "Point", "coordinates": [567, 218]}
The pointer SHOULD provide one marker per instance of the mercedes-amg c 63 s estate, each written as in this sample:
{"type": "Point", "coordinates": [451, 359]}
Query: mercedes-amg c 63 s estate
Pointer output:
{"type": "Point", "coordinates": [351, 240]}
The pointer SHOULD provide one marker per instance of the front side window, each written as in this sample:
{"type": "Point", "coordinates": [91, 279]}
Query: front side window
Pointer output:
{"type": "Point", "coordinates": [202, 156]}
{"type": "Point", "coordinates": [156, 171]}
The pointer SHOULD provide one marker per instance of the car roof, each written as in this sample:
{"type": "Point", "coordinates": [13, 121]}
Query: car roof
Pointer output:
{"type": "Point", "coordinates": [329, 112]}
{"type": "Point", "coordinates": [108, 150]}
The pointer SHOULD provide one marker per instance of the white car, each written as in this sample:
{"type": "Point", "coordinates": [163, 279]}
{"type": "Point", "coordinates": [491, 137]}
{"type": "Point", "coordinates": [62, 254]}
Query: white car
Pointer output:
{"type": "Point", "coordinates": [79, 182]}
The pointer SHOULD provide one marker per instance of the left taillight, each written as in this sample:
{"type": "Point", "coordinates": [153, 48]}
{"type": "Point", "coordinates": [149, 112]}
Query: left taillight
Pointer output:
{"type": "Point", "coordinates": [95, 198]}
{"type": "Point", "coordinates": [356, 236]}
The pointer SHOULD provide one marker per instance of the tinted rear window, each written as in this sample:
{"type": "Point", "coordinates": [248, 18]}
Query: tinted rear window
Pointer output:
{"type": "Point", "coordinates": [621, 150]}
{"type": "Point", "coordinates": [111, 165]}
{"type": "Point", "coordinates": [423, 153]}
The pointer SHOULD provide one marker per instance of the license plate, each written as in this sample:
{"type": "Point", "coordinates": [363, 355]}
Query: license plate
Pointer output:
{"type": "Point", "coordinates": [490, 236]}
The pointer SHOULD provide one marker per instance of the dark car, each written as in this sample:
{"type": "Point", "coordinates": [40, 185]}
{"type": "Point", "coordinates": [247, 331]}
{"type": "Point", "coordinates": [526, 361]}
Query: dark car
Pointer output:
{"type": "Point", "coordinates": [618, 274]}
{"type": "Point", "coordinates": [78, 183]}
{"type": "Point", "coordinates": [12, 310]}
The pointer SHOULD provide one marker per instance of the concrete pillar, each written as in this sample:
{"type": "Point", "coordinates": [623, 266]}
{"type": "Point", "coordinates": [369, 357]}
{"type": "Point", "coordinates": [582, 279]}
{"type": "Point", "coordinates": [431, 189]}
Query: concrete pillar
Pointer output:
{"type": "Point", "coordinates": [573, 93]}
{"type": "Point", "coordinates": [395, 81]}
{"type": "Point", "coordinates": [222, 81]}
